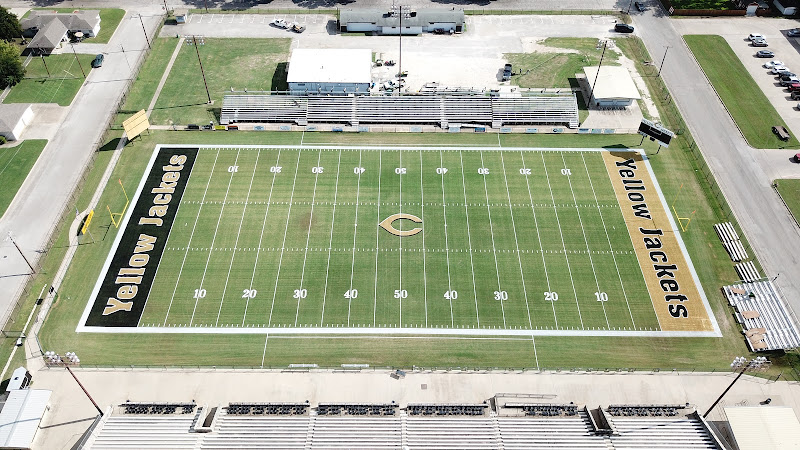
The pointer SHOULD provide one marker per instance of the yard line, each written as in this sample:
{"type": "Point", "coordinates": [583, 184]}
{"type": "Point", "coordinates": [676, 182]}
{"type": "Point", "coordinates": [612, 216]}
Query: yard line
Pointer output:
{"type": "Point", "coordinates": [355, 232]}
{"type": "Point", "coordinates": [424, 271]}
{"type": "Point", "coordinates": [563, 245]}
{"type": "Point", "coordinates": [214, 239]}
{"type": "Point", "coordinates": [377, 240]}
{"type": "Point", "coordinates": [238, 233]}
{"type": "Point", "coordinates": [400, 300]}
{"type": "Point", "coordinates": [539, 236]}
{"type": "Point", "coordinates": [491, 233]}
{"type": "Point", "coordinates": [514, 227]}
{"type": "Point", "coordinates": [469, 240]}
{"type": "Point", "coordinates": [330, 241]}
{"type": "Point", "coordinates": [283, 245]}
{"type": "Point", "coordinates": [608, 238]}
{"type": "Point", "coordinates": [189, 244]}
{"type": "Point", "coordinates": [588, 250]}
{"type": "Point", "coordinates": [308, 237]}
{"type": "Point", "coordinates": [446, 243]}
{"type": "Point", "coordinates": [261, 237]}
{"type": "Point", "coordinates": [264, 355]}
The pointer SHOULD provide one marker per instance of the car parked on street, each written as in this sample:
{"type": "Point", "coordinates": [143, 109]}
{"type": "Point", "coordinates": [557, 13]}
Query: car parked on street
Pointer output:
{"type": "Point", "coordinates": [639, 6]}
{"type": "Point", "coordinates": [765, 54]}
{"type": "Point", "coordinates": [98, 61]}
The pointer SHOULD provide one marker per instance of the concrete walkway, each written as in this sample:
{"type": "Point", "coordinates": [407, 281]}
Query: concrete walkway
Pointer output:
{"type": "Point", "coordinates": [164, 77]}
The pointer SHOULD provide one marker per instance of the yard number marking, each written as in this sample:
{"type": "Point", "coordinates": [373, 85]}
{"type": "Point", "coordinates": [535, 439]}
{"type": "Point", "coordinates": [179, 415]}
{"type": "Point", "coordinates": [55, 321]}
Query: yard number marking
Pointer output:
{"type": "Point", "coordinates": [387, 224]}
{"type": "Point", "coordinates": [550, 296]}
{"type": "Point", "coordinates": [400, 293]}
{"type": "Point", "coordinates": [483, 171]}
{"type": "Point", "coordinates": [566, 172]}
{"type": "Point", "coordinates": [524, 171]}
{"type": "Point", "coordinates": [199, 293]}
{"type": "Point", "coordinates": [233, 169]}
{"type": "Point", "coordinates": [441, 170]}
{"type": "Point", "coordinates": [359, 170]}
{"type": "Point", "coordinates": [601, 296]}
{"type": "Point", "coordinates": [249, 293]}
{"type": "Point", "coordinates": [400, 170]}
{"type": "Point", "coordinates": [500, 295]}
{"type": "Point", "coordinates": [275, 169]}
{"type": "Point", "coordinates": [351, 294]}
{"type": "Point", "coordinates": [451, 295]}
{"type": "Point", "coordinates": [317, 169]}
{"type": "Point", "coordinates": [300, 293]}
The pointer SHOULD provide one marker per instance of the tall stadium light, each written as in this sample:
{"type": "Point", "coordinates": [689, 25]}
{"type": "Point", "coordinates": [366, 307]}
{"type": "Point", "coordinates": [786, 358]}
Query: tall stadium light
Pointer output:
{"type": "Point", "coordinates": [69, 359]}
{"type": "Point", "coordinates": [741, 364]}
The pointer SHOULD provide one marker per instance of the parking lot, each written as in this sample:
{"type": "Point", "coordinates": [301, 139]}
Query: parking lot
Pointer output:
{"type": "Point", "coordinates": [735, 31]}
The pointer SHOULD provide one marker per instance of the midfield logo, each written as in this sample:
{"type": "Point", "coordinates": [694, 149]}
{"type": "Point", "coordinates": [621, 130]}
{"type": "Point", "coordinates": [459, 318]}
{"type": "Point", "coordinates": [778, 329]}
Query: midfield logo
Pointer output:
{"type": "Point", "coordinates": [387, 224]}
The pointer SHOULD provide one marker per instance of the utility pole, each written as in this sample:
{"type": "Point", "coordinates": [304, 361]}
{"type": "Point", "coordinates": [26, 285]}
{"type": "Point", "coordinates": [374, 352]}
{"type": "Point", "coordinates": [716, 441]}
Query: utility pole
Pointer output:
{"type": "Point", "coordinates": [54, 358]}
{"type": "Point", "coordinates": [45, 65]}
{"type": "Point", "coordinates": [126, 57]}
{"type": "Point", "coordinates": [740, 363]}
{"type": "Point", "coordinates": [202, 72]}
{"type": "Point", "coordinates": [629, 7]}
{"type": "Point", "coordinates": [602, 55]}
{"type": "Point", "coordinates": [79, 61]}
{"type": "Point", "coordinates": [205, 2]}
{"type": "Point", "coordinates": [145, 31]}
{"type": "Point", "coordinates": [10, 238]}
{"type": "Point", "coordinates": [166, 10]}
{"type": "Point", "coordinates": [662, 61]}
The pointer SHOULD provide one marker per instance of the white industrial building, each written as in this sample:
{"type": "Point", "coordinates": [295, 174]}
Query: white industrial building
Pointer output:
{"type": "Point", "coordinates": [611, 86]}
{"type": "Point", "coordinates": [330, 71]}
{"type": "Point", "coordinates": [413, 21]}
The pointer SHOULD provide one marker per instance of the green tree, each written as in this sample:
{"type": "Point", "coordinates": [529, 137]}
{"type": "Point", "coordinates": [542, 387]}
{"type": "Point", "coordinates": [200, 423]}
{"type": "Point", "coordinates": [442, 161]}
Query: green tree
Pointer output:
{"type": "Point", "coordinates": [11, 70]}
{"type": "Point", "coordinates": [9, 25]}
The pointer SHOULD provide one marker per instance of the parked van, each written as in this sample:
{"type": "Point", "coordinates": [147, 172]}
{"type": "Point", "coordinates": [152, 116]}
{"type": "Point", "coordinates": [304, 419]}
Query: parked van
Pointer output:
{"type": "Point", "coordinates": [781, 132]}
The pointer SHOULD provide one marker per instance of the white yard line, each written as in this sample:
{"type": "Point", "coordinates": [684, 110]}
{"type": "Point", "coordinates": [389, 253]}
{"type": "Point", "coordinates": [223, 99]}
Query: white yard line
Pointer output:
{"type": "Point", "coordinates": [330, 240]}
{"type": "Point", "coordinates": [283, 245]}
{"type": "Point", "coordinates": [516, 242]}
{"type": "Point", "coordinates": [539, 236]}
{"type": "Point", "coordinates": [264, 355]}
{"type": "Point", "coordinates": [236, 243]}
{"type": "Point", "coordinates": [261, 238]}
{"type": "Point", "coordinates": [377, 241]}
{"type": "Point", "coordinates": [494, 250]}
{"type": "Point", "coordinates": [400, 300]}
{"type": "Point", "coordinates": [608, 238]}
{"type": "Point", "coordinates": [194, 227]}
{"type": "Point", "coordinates": [533, 341]}
{"type": "Point", "coordinates": [355, 232]}
{"type": "Point", "coordinates": [214, 239]}
{"type": "Point", "coordinates": [586, 241]}
{"type": "Point", "coordinates": [446, 243]}
{"type": "Point", "coordinates": [308, 238]}
{"type": "Point", "coordinates": [424, 269]}
{"type": "Point", "coordinates": [563, 245]}
{"type": "Point", "coordinates": [469, 240]}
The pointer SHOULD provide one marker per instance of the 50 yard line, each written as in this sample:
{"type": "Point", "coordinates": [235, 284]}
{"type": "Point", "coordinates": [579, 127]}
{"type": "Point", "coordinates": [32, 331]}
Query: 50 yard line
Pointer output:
{"type": "Point", "coordinates": [308, 237]}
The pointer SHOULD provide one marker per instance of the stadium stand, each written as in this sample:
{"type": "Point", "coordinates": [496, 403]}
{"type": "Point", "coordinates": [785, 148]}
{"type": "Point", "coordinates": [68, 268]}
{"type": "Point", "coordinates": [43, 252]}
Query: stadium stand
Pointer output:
{"type": "Point", "coordinates": [336, 409]}
{"type": "Point", "coordinates": [747, 271]}
{"type": "Point", "coordinates": [443, 110]}
{"type": "Point", "coordinates": [145, 431]}
{"type": "Point", "coordinates": [662, 433]}
{"type": "Point", "coordinates": [425, 409]}
{"type": "Point", "coordinates": [157, 408]}
{"type": "Point", "coordinates": [272, 409]}
{"type": "Point", "coordinates": [572, 432]}
{"type": "Point", "coordinates": [763, 315]}
{"type": "Point", "coordinates": [544, 409]}
{"type": "Point", "coordinates": [730, 240]}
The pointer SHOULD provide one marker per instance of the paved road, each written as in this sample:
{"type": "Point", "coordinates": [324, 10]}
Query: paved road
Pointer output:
{"type": "Point", "coordinates": [737, 167]}
{"type": "Point", "coordinates": [35, 209]}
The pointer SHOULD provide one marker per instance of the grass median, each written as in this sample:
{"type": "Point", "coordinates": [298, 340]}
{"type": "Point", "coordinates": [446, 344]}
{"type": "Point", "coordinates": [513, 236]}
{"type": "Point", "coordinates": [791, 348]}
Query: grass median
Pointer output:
{"type": "Point", "coordinates": [750, 108]}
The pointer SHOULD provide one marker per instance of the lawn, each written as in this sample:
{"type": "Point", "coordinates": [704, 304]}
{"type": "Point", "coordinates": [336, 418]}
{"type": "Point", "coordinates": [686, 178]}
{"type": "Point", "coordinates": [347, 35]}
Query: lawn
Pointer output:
{"type": "Point", "coordinates": [61, 86]}
{"type": "Point", "coordinates": [146, 83]}
{"type": "Point", "coordinates": [751, 110]}
{"type": "Point", "coordinates": [704, 4]}
{"type": "Point", "coordinates": [557, 69]}
{"type": "Point", "coordinates": [790, 192]}
{"type": "Point", "coordinates": [253, 64]}
{"type": "Point", "coordinates": [15, 163]}
{"type": "Point", "coordinates": [109, 21]}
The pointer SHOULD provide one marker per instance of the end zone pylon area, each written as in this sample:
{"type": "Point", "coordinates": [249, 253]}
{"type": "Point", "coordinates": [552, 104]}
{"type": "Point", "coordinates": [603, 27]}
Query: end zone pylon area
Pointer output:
{"type": "Point", "coordinates": [116, 218]}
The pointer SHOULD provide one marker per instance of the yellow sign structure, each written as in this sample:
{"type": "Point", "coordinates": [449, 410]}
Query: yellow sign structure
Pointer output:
{"type": "Point", "coordinates": [88, 221]}
{"type": "Point", "coordinates": [387, 224]}
{"type": "Point", "coordinates": [136, 124]}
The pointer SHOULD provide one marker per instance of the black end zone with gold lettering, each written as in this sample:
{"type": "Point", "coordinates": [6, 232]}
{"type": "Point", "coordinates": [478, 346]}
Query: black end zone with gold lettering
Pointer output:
{"type": "Point", "coordinates": [126, 284]}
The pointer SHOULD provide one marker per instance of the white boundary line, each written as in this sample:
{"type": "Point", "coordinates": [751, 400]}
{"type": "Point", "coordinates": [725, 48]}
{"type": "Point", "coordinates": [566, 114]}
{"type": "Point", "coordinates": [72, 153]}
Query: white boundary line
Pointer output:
{"type": "Point", "coordinates": [398, 331]}
{"type": "Point", "coordinates": [330, 239]}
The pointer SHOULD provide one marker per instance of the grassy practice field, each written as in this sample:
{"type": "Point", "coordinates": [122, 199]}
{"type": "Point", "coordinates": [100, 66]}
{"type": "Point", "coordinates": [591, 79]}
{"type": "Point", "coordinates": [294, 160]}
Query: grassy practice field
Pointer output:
{"type": "Point", "coordinates": [751, 110]}
{"type": "Point", "coordinates": [15, 163]}
{"type": "Point", "coordinates": [60, 86]}
{"type": "Point", "coordinates": [299, 238]}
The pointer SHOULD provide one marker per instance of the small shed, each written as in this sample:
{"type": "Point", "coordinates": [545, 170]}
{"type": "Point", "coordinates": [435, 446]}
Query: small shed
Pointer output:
{"type": "Point", "coordinates": [330, 71]}
{"type": "Point", "coordinates": [611, 86]}
{"type": "Point", "coordinates": [20, 418]}
{"type": "Point", "coordinates": [764, 427]}
{"type": "Point", "coordinates": [14, 117]}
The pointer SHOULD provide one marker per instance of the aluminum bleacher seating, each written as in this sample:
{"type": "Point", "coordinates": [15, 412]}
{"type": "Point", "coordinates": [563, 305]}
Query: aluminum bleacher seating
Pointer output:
{"type": "Point", "coordinates": [661, 433]}
{"type": "Point", "coordinates": [779, 330]}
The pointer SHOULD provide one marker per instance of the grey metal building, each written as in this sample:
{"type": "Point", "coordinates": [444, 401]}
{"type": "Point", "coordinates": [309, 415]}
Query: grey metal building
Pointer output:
{"type": "Point", "coordinates": [330, 71]}
{"type": "Point", "coordinates": [388, 22]}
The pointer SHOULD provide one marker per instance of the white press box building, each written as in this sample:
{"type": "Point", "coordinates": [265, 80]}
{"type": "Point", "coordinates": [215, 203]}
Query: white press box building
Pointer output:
{"type": "Point", "coordinates": [330, 71]}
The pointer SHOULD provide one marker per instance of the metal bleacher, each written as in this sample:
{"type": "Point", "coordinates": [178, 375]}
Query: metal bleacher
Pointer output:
{"type": "Point", "coordinates": [566, 432]}
{"type": "Point", "coordinates": [769, 325]}
{"type": "Point", "coordinates": [257, 431]}
{"type": "Point", "coordinates": [441, 109]}
{"type": "Point", "coordinates": [146, 432]}
{"type": "Point", "coordinates": [661, 433]}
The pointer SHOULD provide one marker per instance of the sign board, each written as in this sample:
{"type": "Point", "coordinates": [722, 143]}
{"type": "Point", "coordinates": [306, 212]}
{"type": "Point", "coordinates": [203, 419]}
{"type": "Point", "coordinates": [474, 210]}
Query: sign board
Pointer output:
{"type": "Point", "coordinates": [87, 222]}
{"type": "Point", "coordinates": [136, 124]}
{"type": "Point", "coordinates": [656, 132]}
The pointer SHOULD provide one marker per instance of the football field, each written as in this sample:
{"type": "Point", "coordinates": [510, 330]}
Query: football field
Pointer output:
{"type": "Point", "coordinates": [398, 240]}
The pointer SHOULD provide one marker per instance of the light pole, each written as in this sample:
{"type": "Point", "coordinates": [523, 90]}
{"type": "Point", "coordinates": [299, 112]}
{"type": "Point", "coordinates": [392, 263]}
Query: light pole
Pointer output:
{"type": "Point", "coordinates": [202, 72]}
{"type": "Point", "coordinates": [743, 365]}
{"type": "Point", "coordinates": [662, 60]}
{"type": "Point", "coordinates": [53, 358]}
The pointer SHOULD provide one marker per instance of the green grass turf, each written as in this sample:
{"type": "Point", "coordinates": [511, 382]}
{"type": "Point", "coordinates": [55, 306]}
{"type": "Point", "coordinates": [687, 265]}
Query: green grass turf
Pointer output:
{"type": "Point", "coordinates": [557, 70]}
{"type": "Point", "coordinates": [703, 4]}
{"type": "Point", "coordinates": [15, 163]}
{"type": "Point", "coordinates": [296, 287]}
{"type": "Point", "coordinates": [790, 192]}
{"type": "Point", "coordinates": [60, 87]}
{"type": "Point", "coordinates": [751, 110]}
{"type": "Point", "coordinates": [143, 89]}
{"type": "Point", "coordinates": [109, 21]}
{"type": "Point", "coordinates": [253, 64]}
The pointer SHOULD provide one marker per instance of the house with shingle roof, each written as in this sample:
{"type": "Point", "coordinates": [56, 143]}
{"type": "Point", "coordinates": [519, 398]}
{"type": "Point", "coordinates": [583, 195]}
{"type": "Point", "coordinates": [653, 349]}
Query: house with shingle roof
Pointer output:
{"type": "Point", "coordinates": [49, 28]}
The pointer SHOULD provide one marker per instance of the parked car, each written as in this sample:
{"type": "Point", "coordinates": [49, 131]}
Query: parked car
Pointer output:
{"type": "Point", "coordinates": [507, 72]}
{"type": "Point", "coordinates": [755, 36]}
{"type": "Point", "coordinates": [98, 61]}
{"type": "Point", "coordinates": [778, 69]}
{"type": "Point", "coordinates": [623, 28]}
{"type": "Point", "coordinates": [789, 81]}
{"type": "Point", "coordinates": [439, 31]}
{"type": "Point", "coordinates": [781, 132]}
{"type": "Point", "coordinates": [786, 75]}
{"type": "Point", "coordinates": [794, 87]}
{"type": "Point", "coordinates": [639, 6]}
{"type": "Point", "coordinates": [794, 32]}
{"type": "Point", "coordinates": [773, 63]}
{"type": "Point", "coordinates": [760, 43]}
{"type": "Point", "coordinates": [280, 23]}
{"type": "Point", "coordinates": [297, 28]}
{"type": "Point", "coordinates": [795, 95]}
{"type": "Point", "coordinates": [765, 54]}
